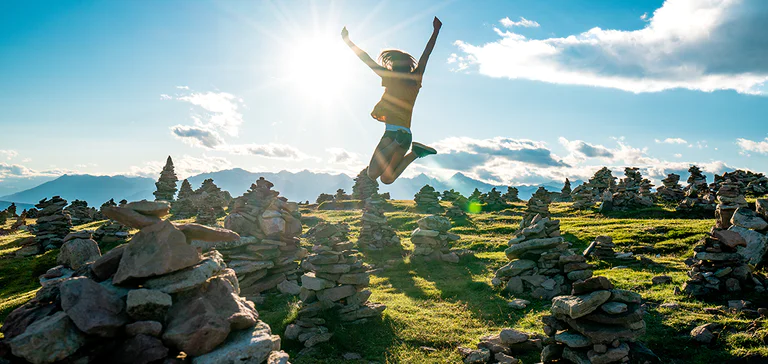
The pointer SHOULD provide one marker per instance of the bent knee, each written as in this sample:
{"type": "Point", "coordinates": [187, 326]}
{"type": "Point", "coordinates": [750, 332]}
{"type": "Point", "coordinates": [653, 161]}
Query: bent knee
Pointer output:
{"type": "Point", "coordinates": [387, 180]}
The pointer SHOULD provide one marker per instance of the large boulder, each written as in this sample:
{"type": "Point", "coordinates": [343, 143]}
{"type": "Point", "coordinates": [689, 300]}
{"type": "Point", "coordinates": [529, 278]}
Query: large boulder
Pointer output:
{"type": "Point", "coordinates": [578, 306]}
{"type": "Point", "coordinates": [757, 244]}
{"type": "Point", "coordinates": [190, 277]}
{"type": "Point", "coordinates": [107, 264]}
{"type": "Point", "coordinates": [150, 208]}
{"type": "Point", "coordinates": [48, 340]}
{"type": "Point", "coordinates": [94, 309]}
{"type": "Point", "coordinates": [208, 234]}
{"type": "Point", "coordinates": [147, 304]}
{"type": "Point", "coordinates": [129, 217]}
{"type": "Point", "coordinates": [154, 251]}
{"type": "Point", "coordinates": [76, 252]}
{"type": "Point", "coordinates": [252, 345]}
{"type": "Point", "coordinates": [748, 219]}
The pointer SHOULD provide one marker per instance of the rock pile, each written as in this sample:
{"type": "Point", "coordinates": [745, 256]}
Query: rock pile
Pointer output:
{"type": "Point", "coordinates": [602, 248]}
{"type": "Point", "coordinates": [729, 199]}
{"type": "Point", "coordinates": [335, 279]}
{"type": "Point", "coordinates": [565, 193]}
{"type": "Point", "coordinates": [671, 191]}
{"type": "Point", "coordinates": [502, 347]}
{"type": "Point", "coordinates": [11, 210]}
{"type": "Point", "coordinates": [166, 184]}
{"type": "Point", "coordinates": [145, 301]}
{"type": "Point", "coordinates": [595, 324]}
{"type": "Point", "coordinates": [111, 232]}
{"type": "Point", "coordinates": [341, 195]}
{"type": "Point", "coordinates": [53, 223]}
{"type": "Point", "coordinates": [184, 206]}
{"type": "Point", "coordinates": [210, 196]}
{"type": "Point", "coordinates": [206, 216]}
{"type": "Point", "coordinates": [697, 193]}
{"type": "Point", "coordinates": [602, 181]}
{"type": "Point", "coordinates": [20, 222]}
{"type": "Point", "coordinates": [457, 211]}
{"type": "Point", "coordinates": [511, 195]}
{"type": "Point", "coordinates": [270, 226]}
{"type": "Point", "coordinates": [627, 195]}
{"type": "Point", "coordinates": [719, 268]}
{"type": "Point", "coordinates": [583, 198]}
{"type": "Point", "coordinates": [3, 217]}
{"type": "Point", "coordinates": [375, 233]}
{"type": "Point", "coordinates": [364, 187]}
{"type": "Point", "coordinates": [432, 239]}
{"type": "Point", "coordinates": [750, 183]}
{"type": "Point", "coordinates": [450, 195]}
{"type": "Point", "coordinates": [493, 201]}
{"type": "Point", "coordinates": [427, 200]}
{"type": "Point", "coordinates": [541, 261]}
{"type": "Point", "coordinates": [81, 214]}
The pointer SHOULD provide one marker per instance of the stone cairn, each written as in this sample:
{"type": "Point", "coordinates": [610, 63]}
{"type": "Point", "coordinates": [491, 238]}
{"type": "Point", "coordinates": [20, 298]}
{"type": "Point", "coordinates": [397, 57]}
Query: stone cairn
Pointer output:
{"type": "Point", "coordinates": [627, 195]}
{"type": "Point", "coordinates": [323, 197]}
{"type": "Point", "coordinates": [432, 239]}
{"type": "Point", "coordinates": [602, 248]}
{"type": "Point", "coordinates": [565, 193]}
{"type": "Point", "coordinates": [206, 216]}
{"type": "Point", "coordinates": [375, 233]}
{"type": "Point", "coordinates": [457, 210]}
{"type": "Point", "coordinates": [502, 347]}
{"type": "Point", "coordinates": [335, 281]}
{"type": "Point", "coordinates": [750, 183]}
{"type": "Point", "coordinates": [53, 223]}
{"type": "Point", "coordinates": [364, 187]}
{"type": "Point", "coordinates": [729, 199]}
{"type": "Point", "coordinates": [166, 184]}
{"type": "Point", "coordinates": [697, 193]}
{"type": "Point", "coordinates": [21, 222]}
{"type": "Point", "coordinates": [145, 301]}
{"type": "Point", "coordinates": [210, 196]}
{"type": "Point", "coordinates": [81, 214]}
{"type": "Point", "coordinates": [541, 261]}
{"type": "Point", "coordinates": [11, 210]}
{"type": "Point", "coordinates": [427, 200]}
{"type": "Point", "coordinates": [511, 195]}
{"type": "Point", "coordinates": [450, 195]}
{"type": "Point", "coordinates": [3, 217]}
{"type": "Point", "coordinates": [184, 206]}
{"type": "Point", "coordinates": [268, 251]}
{"type": "Point", "coordinates": [111, 232]}
{"type": "Point", "coordinates": [493, 200]}
{"type": "Point", "coordinates": [341, 195]}
{"type": "Point", "coordinates": [595, 324]}
{"type": "Point", "coordinates": [671, 191]}
{"type": "Point", "coordinates": [582, 197]}
{"type": "Point", "coordinates": [602, 181]}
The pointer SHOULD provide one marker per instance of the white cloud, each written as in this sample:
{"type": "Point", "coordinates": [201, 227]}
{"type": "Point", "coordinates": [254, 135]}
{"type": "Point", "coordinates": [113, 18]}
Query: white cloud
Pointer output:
{"type": "Point", "coordinates": [747, 145]}
{"type": "Point", "coordinates": [341, 155]}
{"type": "Point", "coordinates": [182, 87]}
{"type": "Point", "coordinates": [185, 167]}
{"type": "Point", "coordinates": [270, 150]}
{"type": "Point", "coordinates": [197, 136]}
{"type": "Point", "coordinates": [644, 17]}
{"type": "Point", "coordinates": [704, 45]}
{"type": "Point", "coordinates": [8, 154]}
{"type": "Point", "coordinates": [678, 155]}
{"type": "Point", "coordinates": [165, 97]}
{"type": "Point", "coordinates": [672, 141]}
{"type": "Point", "coordinates": [525, 23]}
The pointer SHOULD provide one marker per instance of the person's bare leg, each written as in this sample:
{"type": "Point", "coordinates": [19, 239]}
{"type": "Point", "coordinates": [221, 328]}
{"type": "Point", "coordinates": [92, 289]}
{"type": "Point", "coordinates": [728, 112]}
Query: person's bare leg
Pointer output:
{"type": "Point", "coordinates": [391, 174]}
{"type": "Point", "coordinates": [381, 157]}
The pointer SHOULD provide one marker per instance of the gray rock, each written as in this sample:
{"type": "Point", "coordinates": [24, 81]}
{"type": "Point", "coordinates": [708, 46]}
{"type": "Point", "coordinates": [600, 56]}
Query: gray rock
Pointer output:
{"type": "Point", "coordinates": [748, 219]}
{"type": "Point", "coordinates": [518, 304]}
{"type": "Point", "coordinates": [516, 250]}
{"type": "Point", "coordinates": [572, 339]}
{"type": "Point", "coordinates": [612, 355]}
{"type": "Point", "coordinates": [47, 340]}
{"type": "Point", "coordinates": [574, 356]}
{"type": "Point", "coordinates": [515, 285]}
{"type": "Point", "coordinates": [578, 306]}
{"type": "Point", "coordinates": [149, 208]}
{"type": "Point", "coordinates": [477, 356]}
{"type": "Point", "coordinates": [148, 305]}
{"type": "Point", "coordinates": [311, 282]}
{"type": "Point", "coordinates": [289, 288]}
{"type": "Point", "coordinates": [253, 345]}
{"type": "Point", "coordinates": [614, 308]}
{"type": "Point", "coordinates": [94, 309]}
{"type": "Point", "coordinates": [140, 349]}
{"type": "Point", "coordinates": [512, 336]}
{"type": "Point", "coordinates": [151, 328]}
{"type": "Point", "coordinates": [129, 217]}
{"type": "Point", "coordinates": [188, 278]}
{"type": "Point", "coordinates": [105, 266]}
{"type": "Point", "coordinates": [336, 293]}
{"type": "Point", "coordinates": [76, 252]}
{"type": "Point", "coordinates": [757, 245]}
{"type": "Point", "coordinates": [702, 334]}
{"type": "Point", "coordinates": [278, 357]}
{"type": "Point", "coordinates": [625, 296]}
{"type": "Point", "coordinates": [578, 275]}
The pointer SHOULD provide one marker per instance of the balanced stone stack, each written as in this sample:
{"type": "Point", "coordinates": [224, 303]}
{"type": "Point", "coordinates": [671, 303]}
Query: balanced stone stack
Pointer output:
{"type": "Point", "coordinates": [493, 200]}
{"type": "Point", "coordinates": [595, 324]}
{"type": "Point", "coordinates": [750, 183]}
{"type": "Point", "coordinates": [457, 210]}
{"type": "Point", "coordinates": [3, 217]}
{"type": "Point", "coordinates": [541, 261]}
{"type": "Point", "coordinates": [341, 195]}
{"type": "Point", "coordinates": [20, 222]}
{"type": "Point", "coordinates": [111, 232]}
{"type": "Point", "coordinates": [166, 184]}
{"type": "Point", "coordinates": [184, 206]}
{"type": "Point", "coordinates": [511, 195]}
{"type": "Point", "coordinates": [335, 280]}
{"type": "Point", "coordinates": [375, 233]}
{"type": "Point", "coordinates": [11, 210]}
{"type": "Point", "coordinates": [646, 189]}
{"type": "Point", "coordinates": [206, 216]}
{"type": "Point", "coordinates": [602, 248]}
{"type": "Point", "coordinates": [143, 302]}
{"type": "Point", "coordinates": [729, 199]}
{"type": "Point", "coordinates": [80, 213]}
{"type": "Point", "coordinates": [364, 187]}
{"type": "Point", "coordinates": [450, 195]}
{"type": "Point", "coordinates": [602, 181]}
{"type": "Point", "coordinates": [698, 196]}
{"type": "Point", "coordinates": [719, 268]}
{"type": "Point", "coordinates": [268, 253]}
{"type": "Point", "coordinates": [53, 223]}
{"type": "Point", "coordinates": [565, 193]}
{"type": "Point", "coordinates": [210, 196]}
{"type": "Point", "coordinates": [427, 200]}
{"type": "Point", "coordinates": [671, 191]}
{"type": "Point", "coordinates": [503, 347]}
{"type": "Point", "coordinates": [583, 198]}
{"type": "Point", "coordinates": [627, 195]}
{"type": "Point", "coordinates": [432, 239]}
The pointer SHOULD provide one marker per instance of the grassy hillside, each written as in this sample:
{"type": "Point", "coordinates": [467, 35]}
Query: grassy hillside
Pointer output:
{"type": "Point", "coordinates": [441, 306]}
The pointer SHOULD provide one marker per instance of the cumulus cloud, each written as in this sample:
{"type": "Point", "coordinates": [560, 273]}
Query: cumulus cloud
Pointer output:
{"type": "Point", "coordinates": [8, 154]}
{"type": "Point", "coordinates": [582, 149]}
{"type": "Point", "coordinates": [672, 141]}
{"type": "Point", "coordinates": [341, 155]}
{"type": "Point", "coordinates": [197, 136]}
{"type": "Point", "coordinates": [270, 150]}
{"type": "Point", "coordinates": [704, 45]}
{"type": "Point", "coordinates": [525, 23]}
{"type": "Point", "coordinates": [479, 150]}
{"type": "Point", "coordinates": [747, 145]}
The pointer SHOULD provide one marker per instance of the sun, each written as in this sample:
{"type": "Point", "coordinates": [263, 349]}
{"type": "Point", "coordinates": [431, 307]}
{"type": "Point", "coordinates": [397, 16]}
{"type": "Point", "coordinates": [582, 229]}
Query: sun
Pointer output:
{"type": "Point", "coordinates": [318, 67]}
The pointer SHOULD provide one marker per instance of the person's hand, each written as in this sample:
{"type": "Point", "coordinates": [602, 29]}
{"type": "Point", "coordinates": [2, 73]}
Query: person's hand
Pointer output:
{"type": "Point", "coordinates": [436, 24]}
{"type": "Point", "coordinates": [344, 33]}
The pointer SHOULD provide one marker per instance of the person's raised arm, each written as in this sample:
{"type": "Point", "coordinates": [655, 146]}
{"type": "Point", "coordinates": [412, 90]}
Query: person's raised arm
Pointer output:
{"type": "Point", "coordinates": [361, 54]}
{"type": "Point", "coordinates": [436, 25]}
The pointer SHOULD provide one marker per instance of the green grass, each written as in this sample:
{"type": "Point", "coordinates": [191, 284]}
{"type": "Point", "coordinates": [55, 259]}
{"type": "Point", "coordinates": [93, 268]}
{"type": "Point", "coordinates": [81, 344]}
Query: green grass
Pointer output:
{"type": "Point", "coordinates": [443, 306]}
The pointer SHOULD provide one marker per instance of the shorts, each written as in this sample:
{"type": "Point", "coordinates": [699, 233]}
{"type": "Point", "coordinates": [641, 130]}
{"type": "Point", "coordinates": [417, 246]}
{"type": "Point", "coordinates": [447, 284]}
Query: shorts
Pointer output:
{"type": "Point", "coordinates": [400, 134]}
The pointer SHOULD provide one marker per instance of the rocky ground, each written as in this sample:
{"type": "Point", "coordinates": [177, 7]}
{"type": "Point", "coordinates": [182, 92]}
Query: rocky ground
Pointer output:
{"type": "Point", "coordinates": [433, 308]}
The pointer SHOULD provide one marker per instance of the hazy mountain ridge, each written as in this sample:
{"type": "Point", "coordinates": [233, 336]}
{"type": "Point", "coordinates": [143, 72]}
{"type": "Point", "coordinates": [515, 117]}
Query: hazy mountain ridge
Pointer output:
{"type": "Point", "coordinates": [94, 189]}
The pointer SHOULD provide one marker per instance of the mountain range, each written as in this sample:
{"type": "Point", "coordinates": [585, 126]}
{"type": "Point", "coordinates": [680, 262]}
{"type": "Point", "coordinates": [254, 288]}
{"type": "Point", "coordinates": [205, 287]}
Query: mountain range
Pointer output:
{"type": "Point", "coordinates": [299, 186]}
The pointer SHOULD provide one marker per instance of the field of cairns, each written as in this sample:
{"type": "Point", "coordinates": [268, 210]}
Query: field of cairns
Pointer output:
{"type": "Point", "coordinates": [611, 271]}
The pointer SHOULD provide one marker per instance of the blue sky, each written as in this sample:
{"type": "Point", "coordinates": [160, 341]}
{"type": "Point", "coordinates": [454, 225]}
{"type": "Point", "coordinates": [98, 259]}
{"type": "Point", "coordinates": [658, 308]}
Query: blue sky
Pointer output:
{"type": "Point", "coordinates": [515, 91]}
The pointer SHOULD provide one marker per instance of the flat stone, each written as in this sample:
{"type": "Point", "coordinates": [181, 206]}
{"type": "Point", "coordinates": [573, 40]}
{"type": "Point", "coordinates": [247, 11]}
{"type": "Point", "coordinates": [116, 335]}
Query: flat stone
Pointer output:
{"type": "Point", "coordinates": [572, 340]}
{"type": "Point", "coordinates": [730, 238]}
{"type": "Point", "coordinates": [76, 252]}
{"type": "Point", "coordinates": [252, 345]}
{"type": "Point", "coordinates": [625, 296]}
{"type": "Point", "coordinates": [289, 288]}
{"type": "Point", "coordinates": [279, 357]}
{"type": "Point", "coordinates": [611, 355]}
{"type": "Point", "coordinates": [19, 319]}
{"type": "Point", "coordinates": [575, 357]}
{"type": "Point", "coordinates": [578, 275]}
{"type": "Point", "coordinates": [592, 284]}
{"type": "Point", "coordinates": [600, 333]}
{"type": "Point", "coordinates": [207, 233]}
{"type": "Point", "coordinates": [335, 294]}
{"type": "Point", "coordinates": [515, 268]}
{"type": "Point", "coordinates": [188, 278]}
{"type": "Point", "coordinates": [154, 251]}
{"type": "Point", "coordinates": [614, 308]}
{"type": "Point", "coordinates": [151, 328]}
{"type": "Point", "coordinates": [518, 304]}
{"type": "Point", "coordinates": [517, 250]}
{"type": "Point", "coordinates": [578, 306]}
{"type": "Point", "coordinates": [148, 304]}
{"type": "Point", "coordinates": [129, 217]}
{"type": "Point", "coordinates": [48, 340]}
{"type": "Point", "coordinates": [425, 233]}
{"type": "Point", "coordinates": [149, 208]}
{"type": "Point", "coordinates": [311, 282]}
{"type": "Point", "coordinates": [661, 280]}
{"type": "Point", "coordinates": [748, 219]}
{"type": "Point", "coordinates": [512, 336]}
{"type": "Point", "coordinates": [757, 245]}
{"type": "Point", "coordinates": [369, 310]}
{"type": "Point", "coordinates": [92, 308]}
{"type": "Point", "coordinates": [355, 279]}
{"type": "Point", "coordinates": [702, 334]}
{"type": "Point", "coordinates": [105, 266]}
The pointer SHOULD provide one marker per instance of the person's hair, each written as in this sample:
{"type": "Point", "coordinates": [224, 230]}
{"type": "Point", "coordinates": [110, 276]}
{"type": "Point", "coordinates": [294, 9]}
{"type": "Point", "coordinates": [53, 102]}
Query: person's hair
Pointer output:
{"type": "Point", "coordinates": [389, 57]}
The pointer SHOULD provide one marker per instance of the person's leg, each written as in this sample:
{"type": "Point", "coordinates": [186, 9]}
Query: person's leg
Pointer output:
{"type": "Point", "coordinates": [397, 164]}
{"type": "Point", "coordinates": [381, 157]}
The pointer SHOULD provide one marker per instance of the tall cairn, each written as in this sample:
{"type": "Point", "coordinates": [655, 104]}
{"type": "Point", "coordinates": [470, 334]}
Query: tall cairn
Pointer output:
{"type": "Point", "coordinates": [597, 323]}
{"type": "Point", "coordinates": [210, 196]}
{"type": "Point", "coordinates": [432, 240]}
{"type": "Point", "coordinates": [364, 187]}
{"type": "Point", "coordinates": [268, 251]}
{"type": "Point", "coordinates": [729, 199]}
{"type": "Point", "coordinates": [698, 196]}
{"type": "Point", "coordinates": [145, 301]}
{"type": "Point", "coordinates": [53, 223]}
{"type": "Point", "coordinates": [427, 200]}
{"type": "Point", "coordinates": [671, 191]}
{"type": "Point", "coordinates": [627, 194]}
{"type": "Point", "coordinates": [184, 206]}
{"type": "Point", "coordinates": [375, 233]}
{"type": "Point", "coordinates": [166, 184]}
{"type": "Point", "coordinates": [511, 195]}
{"type": "Point", "coordinates": [540, 259]}
{"type": "Point", "coordinates": [565, 193]}
{"type": "Point", "coordinates": [493, 200]}
{"type": "Point", "coordinates": [81, 214]}
{"type": "Point", "coordinates": [335, 279]}
{"type": "Point", "coordinates": [582, 197]}
{"type": "Point", "coordinates": [602, 181]}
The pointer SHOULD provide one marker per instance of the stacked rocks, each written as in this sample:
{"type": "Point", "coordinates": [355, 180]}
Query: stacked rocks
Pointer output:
{"type": "Point", "coordinates": [210, 196]}
{"type": "Point", "coordinates": [166, 184]}
{"type": "Point", "coordinates": [541, 261]}
{"type": "Point", "coordinates": [602, 181]}
{"type": "Point", "coordinates": [729, 198]}
{"type": "Point", "coordinates": [451, 195]}
{"type": "Point", "coordinates": [565, 193]}
{"type": "Point", "coordinates": [11, 210]}
{"type": "Point", "coordinates": [595, 324]}
{"type": "Point", "coordinates": [502, 347]}
{"type": "Point", "coordinates": [364, 187]}
{"type": "Point", "coordinates": [719, 268]}
{"type": "Point", "coordinates": [184, 206]}
{"type": "Point", "coordinates": [754, 184]}
{"type": "Point", "coordinates": [206, 216]}
{"type": "Point", "coordinates": [80, 213]}
{"type": "Point", "coordinates": [341, 195]}
{"type": "Point", "coordinates": [335, 279]}
{"type": "Point", "coordinates": [627, 194]}
{"type": "Point", "coordinates": [53, 223]}
{"type": "Point", "coordinates": [111, 232]}
{"type": "Point", "coordinates": [602, 248]}
{"type": "Point", "coordinates": [671, 191]}
{"type": "Point", "coordinates": [511, 195]}
{"type": "Point", "coordinates": [3, 217]}
{"type": "Point", "coordinates": [145, 301]}
{"type": "Point", "coordinates": [432, 239]}
{"type": "Point", "coordinates": [375, 233]}
{"type": "Point", "coordinates": [427, 200]}
{"type": "Point", "coordinates": [493, 201]}
{"type": "Point", "coordinates": [270, 225]}
{"type": "Point", "coordinates": [21, 222]}
{"type": "Point", "coordinates": [457, 210]}
{"type": "Point", "coordinates": [583, 198]}
{"type": "Point", "coordinates": [697, 193]}
{"type": "Point", "coordinates": [752, 226]}
{"type": "Point", "coordinates": [646, 190]}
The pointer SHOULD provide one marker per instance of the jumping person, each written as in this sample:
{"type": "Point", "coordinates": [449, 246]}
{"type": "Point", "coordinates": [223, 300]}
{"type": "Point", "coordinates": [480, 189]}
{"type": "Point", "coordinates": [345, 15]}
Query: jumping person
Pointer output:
{"type": "Point", "coordinates": [401, 78]}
